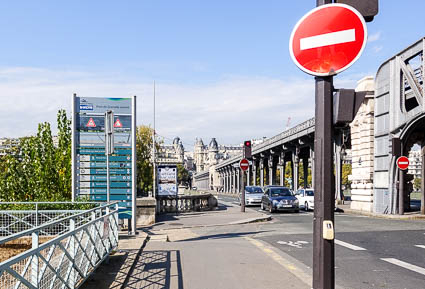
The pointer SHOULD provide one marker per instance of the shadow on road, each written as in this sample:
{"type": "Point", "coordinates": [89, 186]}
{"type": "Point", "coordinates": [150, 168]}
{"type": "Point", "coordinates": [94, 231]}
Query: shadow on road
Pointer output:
{"type": "Point", "coordinates": [157, 269]}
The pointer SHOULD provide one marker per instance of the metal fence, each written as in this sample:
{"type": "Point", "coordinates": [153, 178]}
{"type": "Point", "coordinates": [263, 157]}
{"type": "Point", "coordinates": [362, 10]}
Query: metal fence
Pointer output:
{"type": "Point", "coordinates": [62, 253]}
{"type": "Point", "coordinates": [18, 217]}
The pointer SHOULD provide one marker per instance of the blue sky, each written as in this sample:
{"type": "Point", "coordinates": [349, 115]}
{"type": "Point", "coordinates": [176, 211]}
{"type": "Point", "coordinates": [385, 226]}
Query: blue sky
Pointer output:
{"type": "Point", "coordinates": [222, 68]}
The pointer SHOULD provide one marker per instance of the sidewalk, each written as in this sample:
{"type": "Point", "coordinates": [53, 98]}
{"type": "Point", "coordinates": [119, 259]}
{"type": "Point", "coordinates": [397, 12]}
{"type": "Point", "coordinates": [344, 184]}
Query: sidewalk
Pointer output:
{"type": "Point", "coordinates": [185, 251]}
{"type": "Point", "coordinates": [200, 250]}
{"type": "Point", "coordinates": [407, 216]}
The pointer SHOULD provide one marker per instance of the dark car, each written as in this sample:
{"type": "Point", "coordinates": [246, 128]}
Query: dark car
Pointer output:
{"type": "Point", "coordinates": [277, 198]}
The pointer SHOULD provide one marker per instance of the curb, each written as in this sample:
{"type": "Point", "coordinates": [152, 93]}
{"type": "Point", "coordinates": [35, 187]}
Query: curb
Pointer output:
{"type": "Point", "coordinates": [384, 216]}
{"type": "Point", "coordinates": [263, 218]}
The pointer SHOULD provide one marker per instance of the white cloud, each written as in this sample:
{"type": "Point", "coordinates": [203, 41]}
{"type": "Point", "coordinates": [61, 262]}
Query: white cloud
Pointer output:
{"type": "Point", "coordinates": [377, 48]}
{"type": "Point", "coordinates": [374, 37]}
{"type": "Point", "coordinates": [231, 110]}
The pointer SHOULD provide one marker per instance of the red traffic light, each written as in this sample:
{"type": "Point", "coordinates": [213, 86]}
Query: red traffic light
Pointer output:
{"type": "Point", "coordinates": [247, 149]}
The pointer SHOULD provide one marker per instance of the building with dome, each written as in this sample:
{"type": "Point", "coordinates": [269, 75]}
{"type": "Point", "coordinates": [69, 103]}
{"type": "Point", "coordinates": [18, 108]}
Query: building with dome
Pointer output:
{"type": "Point", "coordinates": [172, 154]}
{"type": "Point", "coordinates": [206, 156]}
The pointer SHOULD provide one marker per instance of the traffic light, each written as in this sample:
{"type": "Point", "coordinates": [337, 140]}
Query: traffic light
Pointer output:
{"type": "Point", "coordinates": [247, 149]}
{"type": "Point", "coordinates": [368, 8]}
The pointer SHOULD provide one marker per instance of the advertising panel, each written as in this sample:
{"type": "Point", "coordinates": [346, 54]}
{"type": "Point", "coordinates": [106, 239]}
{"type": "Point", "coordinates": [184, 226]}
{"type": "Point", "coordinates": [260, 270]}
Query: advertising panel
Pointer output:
{"type": "Point", "coordinates": [167, 180]}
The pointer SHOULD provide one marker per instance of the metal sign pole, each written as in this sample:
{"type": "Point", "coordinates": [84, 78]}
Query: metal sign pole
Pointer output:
{"type": "Point", "coordinates": [133, 165]}
{"type": "Point", "coordinates": [177, 194]}
{"type": "Point", "coordinates": [324, 203]}
{"type": "Point", "coordinates": [109, 148]}
{"type": "Point", "coordinates": [243, 191]}
{"type": "Point", "coordinates": [73, 147]}
{"type": "Point", "coordinates": [108, 185]}
{"type": "Point", "coordinates": [323, 250]}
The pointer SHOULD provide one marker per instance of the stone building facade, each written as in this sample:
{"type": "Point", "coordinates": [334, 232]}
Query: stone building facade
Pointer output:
{"type": "Point", "coordinates": [171, 154]}
{"type": "Point", "coordinates": [206, 156]}
{"type": "Point", "coordinates": [362, 143]}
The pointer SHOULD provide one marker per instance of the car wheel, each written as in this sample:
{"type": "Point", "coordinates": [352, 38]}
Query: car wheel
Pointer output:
{"type": "Point", "coordinates": [306, 206]}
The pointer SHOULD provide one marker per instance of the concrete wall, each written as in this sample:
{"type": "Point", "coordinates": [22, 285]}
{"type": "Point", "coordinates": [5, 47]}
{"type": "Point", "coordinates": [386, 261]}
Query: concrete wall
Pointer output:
{"type": "Point", "coordinates": [146, 210]}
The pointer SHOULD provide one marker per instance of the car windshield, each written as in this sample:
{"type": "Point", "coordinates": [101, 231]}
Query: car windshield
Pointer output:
{"type": "Point", "coordinates": [253, 190]}
{"type": "Point", "coordinates": [309, 193]}
{"type": "Point", "coordinates": [280, 192]}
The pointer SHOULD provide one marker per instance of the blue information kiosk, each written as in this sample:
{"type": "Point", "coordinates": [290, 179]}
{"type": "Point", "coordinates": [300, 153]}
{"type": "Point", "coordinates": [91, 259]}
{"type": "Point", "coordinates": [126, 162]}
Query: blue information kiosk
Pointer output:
{"type": "Point", "coordinates": [89, 162]}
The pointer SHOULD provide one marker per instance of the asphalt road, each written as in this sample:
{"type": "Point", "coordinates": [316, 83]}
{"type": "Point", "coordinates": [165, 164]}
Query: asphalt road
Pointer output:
{"type": "Point", "coordinates": [369, 252]}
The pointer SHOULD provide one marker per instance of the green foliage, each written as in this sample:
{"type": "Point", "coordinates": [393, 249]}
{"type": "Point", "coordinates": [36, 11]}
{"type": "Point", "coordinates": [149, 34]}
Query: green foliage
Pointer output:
{"type": "Point", "coordinates": [288, 175]}
{"type": "Point", "coordinates": [346, 171]}
{"type": "Point", "coordinates": [144, 158]}
{"type": "Point", "coordinates": [183, 176]}
{"type": "Point", "coordinates": [301, 174]}
{"type": "Point", "coordinates": [38, 171]}
{"type": "Point", "coordinates": [417, 184]}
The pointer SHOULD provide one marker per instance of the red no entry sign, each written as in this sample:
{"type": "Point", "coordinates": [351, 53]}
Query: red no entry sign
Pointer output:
{"type": "Point", "coordinates": [328, 39]}
{"type": "Point", "coordinates": [403, 163]}
{"type": "Point", "coordinates": [244, 164]}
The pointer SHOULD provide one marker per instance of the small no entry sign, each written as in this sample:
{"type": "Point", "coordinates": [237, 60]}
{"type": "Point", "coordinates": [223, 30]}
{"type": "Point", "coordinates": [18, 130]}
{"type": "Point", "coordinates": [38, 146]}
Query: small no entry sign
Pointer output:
{"type": "Point", "coordinates": [244, 164]}
{"type": "Point", "coordinates": [403, 163]}
{"type": "Point", "coordinates": [328, 39]}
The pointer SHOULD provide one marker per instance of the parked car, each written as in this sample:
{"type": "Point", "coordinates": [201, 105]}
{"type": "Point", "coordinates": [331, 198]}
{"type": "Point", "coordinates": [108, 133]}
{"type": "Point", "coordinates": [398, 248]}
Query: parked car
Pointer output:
{"type": "Point", "coordinates": [305, 198]}
{"type": "Point", "coordinates": [276, 198]}
{"type": "Point", "coordinates": [253, 195]}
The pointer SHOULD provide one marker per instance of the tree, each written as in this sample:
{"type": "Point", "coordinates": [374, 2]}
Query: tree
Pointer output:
{"type": "Point", "coordinates": [346, 171]}
{"type": "Point", "coordinates": [417, 184]}
{"type": "Point", "coordinates": [288, 175]}
{"type": "Point", "coordinates": [144, 158]}
{"type": "Point", "coordinates": [183, 176]}
{"type": "Point", "coordinates": [37, 170]}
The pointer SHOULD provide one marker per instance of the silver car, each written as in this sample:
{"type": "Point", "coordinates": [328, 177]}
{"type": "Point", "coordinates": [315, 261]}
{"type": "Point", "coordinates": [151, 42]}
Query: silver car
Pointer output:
{"type": "Point", "coordinates": [253, 195]}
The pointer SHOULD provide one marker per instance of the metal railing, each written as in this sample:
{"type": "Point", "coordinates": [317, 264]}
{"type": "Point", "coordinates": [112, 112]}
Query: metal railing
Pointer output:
{"type": "Point", "coordinates": [17, 217]}
{"type": "Point", "coordinates": [64, 260]}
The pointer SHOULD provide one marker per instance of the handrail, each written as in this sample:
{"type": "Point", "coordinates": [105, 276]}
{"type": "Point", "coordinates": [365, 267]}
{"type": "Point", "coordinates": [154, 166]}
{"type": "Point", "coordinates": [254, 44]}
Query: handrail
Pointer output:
{"type": "Point", "coordinates": [45, 245]}
{"type": "Point", "coordinates": [47, 224]}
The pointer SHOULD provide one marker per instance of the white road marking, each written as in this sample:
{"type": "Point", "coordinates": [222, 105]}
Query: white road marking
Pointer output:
{"type": "Point", "coordinates": [349, 246]}
{"type": "Point", "coordinates": [420, 246]}
{"type": "Point", "coordinates": [405, 265]}
{"type": "Point", "coordinates": [296, 244]}
{"type": "Point", "coordinates": [327, 39]}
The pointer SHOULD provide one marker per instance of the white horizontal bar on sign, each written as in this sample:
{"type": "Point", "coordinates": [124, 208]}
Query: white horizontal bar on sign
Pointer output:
{"type": "Point", "coordinates": [403, 163]}
{"type": "Point", "coordinates": [327, 39]}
